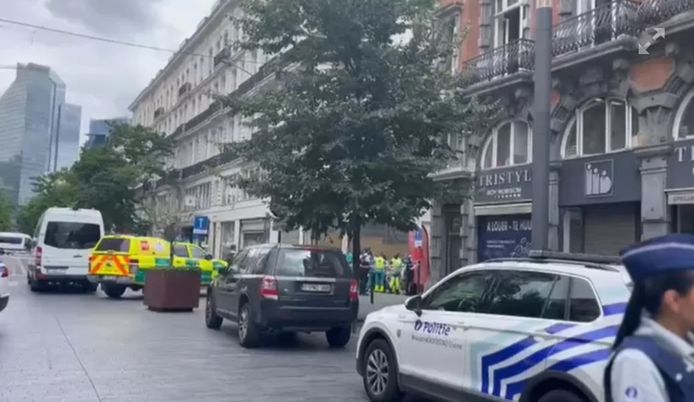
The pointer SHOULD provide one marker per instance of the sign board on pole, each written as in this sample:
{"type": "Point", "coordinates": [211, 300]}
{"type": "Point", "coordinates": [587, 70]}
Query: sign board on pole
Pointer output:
{"type": "Point", "coordinates": [201, 225]}
{"type": "Point", "coordinates": [418, 238]}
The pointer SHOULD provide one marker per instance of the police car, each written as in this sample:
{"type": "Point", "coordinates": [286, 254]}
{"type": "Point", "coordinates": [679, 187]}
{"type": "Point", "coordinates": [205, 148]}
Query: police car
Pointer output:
{"type": "Point", "coordinates": [536, 329]}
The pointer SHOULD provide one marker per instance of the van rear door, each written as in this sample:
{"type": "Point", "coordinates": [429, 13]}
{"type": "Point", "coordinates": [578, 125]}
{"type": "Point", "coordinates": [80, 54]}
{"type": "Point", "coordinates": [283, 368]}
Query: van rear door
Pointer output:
{"type": "Point", "coordinates": [111, 257]}
{"type": "Point", "coordinates": [313, 277]}
{"type": "Point", "coordinates": [66, 246]}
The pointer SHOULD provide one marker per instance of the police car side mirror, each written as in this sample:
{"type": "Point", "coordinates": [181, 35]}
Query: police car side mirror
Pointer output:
{"type": "Point", "coordinates": [414, 303]}
{"type": "Point", "coordinates": [209, 257]}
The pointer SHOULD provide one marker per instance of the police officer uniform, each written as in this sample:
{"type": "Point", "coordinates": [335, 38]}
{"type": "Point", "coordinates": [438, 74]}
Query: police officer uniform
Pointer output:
{"type": "Point", "coordinates": [653, 364]}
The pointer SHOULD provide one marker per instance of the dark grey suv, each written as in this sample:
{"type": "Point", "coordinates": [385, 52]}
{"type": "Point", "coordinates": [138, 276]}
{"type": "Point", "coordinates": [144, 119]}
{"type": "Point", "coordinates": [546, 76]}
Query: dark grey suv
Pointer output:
{"type": "Point", "coordinates": [285, 289]}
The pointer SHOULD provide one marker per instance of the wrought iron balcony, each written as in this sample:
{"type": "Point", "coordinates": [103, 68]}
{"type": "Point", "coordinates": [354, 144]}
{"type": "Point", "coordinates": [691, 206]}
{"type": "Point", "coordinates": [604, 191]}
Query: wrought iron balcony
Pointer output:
{"type": "Point", "coordinates": [502, 61]}
{"type": "Point", "coordinates": [654, 12]}
{"type": "Point", "coordinates": [599, 25]}
{"type": "Point", "coordinates": [222, 56]}
{"type": "Point", "coordinates": [183, 89]}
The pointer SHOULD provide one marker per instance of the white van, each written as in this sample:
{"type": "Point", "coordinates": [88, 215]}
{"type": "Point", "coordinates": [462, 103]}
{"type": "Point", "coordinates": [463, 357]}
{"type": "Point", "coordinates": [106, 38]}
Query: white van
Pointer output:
{"type": "Point", "coordinates": [63, 241]}
{"type": "Point", "coordinates": [12, 243]}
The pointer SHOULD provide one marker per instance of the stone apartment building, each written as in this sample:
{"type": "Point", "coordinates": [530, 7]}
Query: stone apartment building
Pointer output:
{"type": "Point", "coordinates": [622, 128]}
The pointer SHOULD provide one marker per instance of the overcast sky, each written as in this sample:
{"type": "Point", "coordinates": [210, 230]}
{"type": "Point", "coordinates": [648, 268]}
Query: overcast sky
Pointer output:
{"type": "Point", "coordinates": [102, 78]}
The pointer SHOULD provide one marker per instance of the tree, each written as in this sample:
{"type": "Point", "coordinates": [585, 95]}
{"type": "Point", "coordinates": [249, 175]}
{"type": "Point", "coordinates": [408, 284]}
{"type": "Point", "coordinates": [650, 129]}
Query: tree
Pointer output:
{"type": "Point", "coordinates": [5, 213]}
{"type": "Point", "coordinates": [361, 115]}
{"type": "Point", "coordinates": [105, 178]}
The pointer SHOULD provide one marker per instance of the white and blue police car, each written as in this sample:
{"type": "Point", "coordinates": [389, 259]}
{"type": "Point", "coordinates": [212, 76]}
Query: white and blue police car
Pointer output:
{"type": "Point", "coordinates": [535, 329]}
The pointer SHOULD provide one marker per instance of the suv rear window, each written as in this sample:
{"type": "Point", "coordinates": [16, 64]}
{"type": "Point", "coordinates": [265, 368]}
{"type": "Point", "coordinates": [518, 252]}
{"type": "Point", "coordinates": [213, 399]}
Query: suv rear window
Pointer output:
{"type": "Point", "coordinates": [72, 235]}
{"type": "Point", "coordinates": [308, 262]}
{"type": "Point", "coordinates": [114, 244]}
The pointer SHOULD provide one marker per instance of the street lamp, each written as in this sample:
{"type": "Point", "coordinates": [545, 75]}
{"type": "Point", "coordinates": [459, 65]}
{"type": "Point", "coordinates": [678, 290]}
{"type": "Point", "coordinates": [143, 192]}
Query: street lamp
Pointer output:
{"type": "Point", "coordinates": [541, 126]}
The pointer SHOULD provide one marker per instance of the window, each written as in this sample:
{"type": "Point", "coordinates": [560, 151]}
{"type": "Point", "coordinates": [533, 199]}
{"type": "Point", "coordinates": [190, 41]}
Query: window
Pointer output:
{"type": "Point", "coordinates": [509, 144]}
{"type": "Point", "coordinates": [584, 306]}
{"type": "Point", "coordinates": [180, 250]}
{"type": "Point", "coordinates": [316, 263]}
{"type": "Point", "coordinates": [511, 21]}
{"type": "Point", "coordinates": [521, 294]}
{"type": "Point", "coordinates": [451, 35]}
{"type": "Point", "coordinates": [72, 235]}
{"type": "Point", "coordinates": [238, 262]}
{"type": "Point", "coordinates": [462, 293]}
{"type": "Point", "coordinates": [198, 253]}
{"type": "Point", "coordinates": [684, 120]}
{"type": "Point", "coordinates": [601, 126]}
{"type": "Point", "coordinates": [557, 301]}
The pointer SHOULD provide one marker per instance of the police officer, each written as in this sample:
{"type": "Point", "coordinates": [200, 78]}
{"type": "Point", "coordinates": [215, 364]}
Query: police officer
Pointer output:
{"type": "Point", "coordinates": [654, 349]}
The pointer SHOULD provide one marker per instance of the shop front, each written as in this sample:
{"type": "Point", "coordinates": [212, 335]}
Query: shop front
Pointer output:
{"type": "Point", "coordinates": [680, 186]}
{"type": "Point", "coordinates": [600, 201]}
{"type": "Point", "coordinates": [503, 199]}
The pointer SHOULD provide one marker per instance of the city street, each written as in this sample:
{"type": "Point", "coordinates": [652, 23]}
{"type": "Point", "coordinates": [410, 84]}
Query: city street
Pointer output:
{"type": "Point", "coordinates": [71, 346]}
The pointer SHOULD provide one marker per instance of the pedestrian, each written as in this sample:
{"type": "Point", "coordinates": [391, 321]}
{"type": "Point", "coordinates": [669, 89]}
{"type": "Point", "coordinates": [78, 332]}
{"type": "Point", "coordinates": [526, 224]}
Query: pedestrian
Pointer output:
{"type": "Point", "coordinates": [364, 269]}
{"type": "Point", "coordinates": [654, 349]}
{"type": "Point", "coordinates": [409, 276]}
{"type": "Point", "coordinates": [396, 266]}
{"type": "Point", "coordinates": [380, 273]}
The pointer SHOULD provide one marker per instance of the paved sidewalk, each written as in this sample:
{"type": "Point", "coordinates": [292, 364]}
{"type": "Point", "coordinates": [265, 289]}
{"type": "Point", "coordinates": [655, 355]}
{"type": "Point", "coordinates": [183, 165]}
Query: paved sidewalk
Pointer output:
{"type": "Point", "coordinates": [380, 300]}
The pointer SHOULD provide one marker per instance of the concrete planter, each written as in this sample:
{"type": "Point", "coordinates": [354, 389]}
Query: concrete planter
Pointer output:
{"type": "Point", "coordinates": [172, 289]}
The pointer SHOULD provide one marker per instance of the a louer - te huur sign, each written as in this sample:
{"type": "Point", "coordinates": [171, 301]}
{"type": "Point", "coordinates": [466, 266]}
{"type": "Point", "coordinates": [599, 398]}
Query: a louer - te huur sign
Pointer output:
{"type": "Point", "coordinates": [505, 185]}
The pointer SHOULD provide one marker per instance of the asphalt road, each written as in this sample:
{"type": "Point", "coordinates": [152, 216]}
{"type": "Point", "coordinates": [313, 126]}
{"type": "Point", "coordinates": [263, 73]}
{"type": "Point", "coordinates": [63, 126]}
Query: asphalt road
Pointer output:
{"type": "Point", "coordinates": [69, 346]}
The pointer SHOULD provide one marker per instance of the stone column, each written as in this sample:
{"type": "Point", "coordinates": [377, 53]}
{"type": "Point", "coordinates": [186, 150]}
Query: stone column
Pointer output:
{"type": "Point", "coordinates": [468, 233]}
{"type": "Point", "coordinates": [655, 211]}
{"type": "Point", "coordinates": [237, 234]}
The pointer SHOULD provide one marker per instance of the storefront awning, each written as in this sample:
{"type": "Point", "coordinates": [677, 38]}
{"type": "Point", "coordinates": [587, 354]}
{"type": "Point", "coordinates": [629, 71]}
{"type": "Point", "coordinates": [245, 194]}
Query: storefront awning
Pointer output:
{"type": "Point", "coordinates": [503, 209]}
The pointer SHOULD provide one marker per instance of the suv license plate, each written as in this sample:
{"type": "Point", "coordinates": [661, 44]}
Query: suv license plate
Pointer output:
{"type": "Point", "coordinates": [314, 287]}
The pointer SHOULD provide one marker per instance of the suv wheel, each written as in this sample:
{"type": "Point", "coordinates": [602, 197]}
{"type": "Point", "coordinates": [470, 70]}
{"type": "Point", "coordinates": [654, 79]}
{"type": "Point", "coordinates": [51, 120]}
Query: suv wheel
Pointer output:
{"type": "Point", "coordinates": [338, 337]}
{"type": "Point", "coordinates": [380, 373]}
{"type": "Point", "coordinates": [561, 395]}
{"type": "Point", "coordinates": [36, 285]}
{"type": "Point", "coordinates": [112, 290]}
{"type": "Point", "coordinates": [212, 319]}
{"type": "Point", "coordinates": [249, 333]}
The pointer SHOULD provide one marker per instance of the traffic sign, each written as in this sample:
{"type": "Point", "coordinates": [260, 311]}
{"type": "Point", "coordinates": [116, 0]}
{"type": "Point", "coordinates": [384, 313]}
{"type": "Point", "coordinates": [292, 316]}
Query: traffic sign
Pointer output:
{"type": "Point", "coordinates": [201, 225]}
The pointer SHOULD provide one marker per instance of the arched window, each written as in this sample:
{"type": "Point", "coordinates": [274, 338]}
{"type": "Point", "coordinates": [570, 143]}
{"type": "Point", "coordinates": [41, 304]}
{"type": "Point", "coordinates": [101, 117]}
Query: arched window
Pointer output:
{"type": "Point", "coordinates": [600, 126]}
{"type": "Point", "coordinates": [684, 119]}
{"type": "Point", "coordinates": [509, 144]}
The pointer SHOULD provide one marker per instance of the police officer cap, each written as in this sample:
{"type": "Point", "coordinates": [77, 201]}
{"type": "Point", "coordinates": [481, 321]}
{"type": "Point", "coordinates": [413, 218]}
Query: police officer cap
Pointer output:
{"type": "Point", "coordinates": [669, 253]}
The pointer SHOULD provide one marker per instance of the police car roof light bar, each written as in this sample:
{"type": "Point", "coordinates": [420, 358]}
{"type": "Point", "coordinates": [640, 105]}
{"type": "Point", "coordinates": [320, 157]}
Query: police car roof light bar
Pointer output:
{"type": "Point", "coordinates": [600, 259]}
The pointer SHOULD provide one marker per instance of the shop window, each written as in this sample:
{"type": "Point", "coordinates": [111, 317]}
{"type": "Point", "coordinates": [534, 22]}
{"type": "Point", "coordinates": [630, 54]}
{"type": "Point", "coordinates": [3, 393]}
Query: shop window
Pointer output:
{"type": "Point", "coordinates": [509, 144]}
{"type": "Point", "coordinates": [684, 120]}
{"type": "Point", "coordinates": [601, 126]}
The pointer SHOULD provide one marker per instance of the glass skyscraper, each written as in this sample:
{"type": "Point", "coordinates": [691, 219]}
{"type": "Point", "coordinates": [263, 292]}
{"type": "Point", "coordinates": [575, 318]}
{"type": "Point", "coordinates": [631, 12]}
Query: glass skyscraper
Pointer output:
{"type": "Point", "coordinates": [39, 132]}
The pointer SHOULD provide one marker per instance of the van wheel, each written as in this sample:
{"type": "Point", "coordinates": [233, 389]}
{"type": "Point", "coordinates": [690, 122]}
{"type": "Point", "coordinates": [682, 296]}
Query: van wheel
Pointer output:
{"type": "Point", "coordinates": [249, 333]}
{"type": "Point", "coordinates": [338, 337]}
{"type": "Point", "coordinates": [380, 376]}
{"type": "Point", "coordinates": [113, 291]}
{"type": "Point", "coordinates": [562, 395]}
{"type": "Point", "coordinates": [212, 319]}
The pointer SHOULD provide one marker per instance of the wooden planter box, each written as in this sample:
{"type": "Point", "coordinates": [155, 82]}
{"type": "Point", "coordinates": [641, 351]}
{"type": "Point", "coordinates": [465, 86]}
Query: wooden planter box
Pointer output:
{"type": "Point", "coordinates": [172, 289]}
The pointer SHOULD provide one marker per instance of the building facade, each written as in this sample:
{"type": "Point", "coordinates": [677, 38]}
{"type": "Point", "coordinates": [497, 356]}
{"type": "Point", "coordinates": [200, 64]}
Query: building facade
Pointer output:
{"type": "Point", "coordinates": [181, 103]}
{"type": "Point", "coordinates": [33, 119]}
{"type": "Point", "coordinates": [621, 135]}
{"type": "Point", "coordinates": [100, 130]}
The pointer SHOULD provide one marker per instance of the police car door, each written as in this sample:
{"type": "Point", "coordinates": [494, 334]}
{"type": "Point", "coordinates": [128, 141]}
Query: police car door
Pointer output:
{"type": "Point", "coordinates": [431, 352]}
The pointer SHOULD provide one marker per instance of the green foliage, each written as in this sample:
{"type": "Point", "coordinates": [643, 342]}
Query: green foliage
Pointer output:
{"type": "Point", "coordinates": [361, 119]}
{"type": "Point", "coordinates": [5, 213]}
{"type": "Point", "coordinates": [105, 178]}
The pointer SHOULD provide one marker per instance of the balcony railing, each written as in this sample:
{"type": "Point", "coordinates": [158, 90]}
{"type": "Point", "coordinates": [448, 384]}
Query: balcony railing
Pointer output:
{"type": "Point", "coordinates": [222, 56]}
{"type": "Point", "coordinates": [653, 12]}
{"type": "Point", "coordinates": [183, 89]}
{"type": "Point", "coordinates": [504, 60]}
{"type": "Point", "coordinates": [599, 25]}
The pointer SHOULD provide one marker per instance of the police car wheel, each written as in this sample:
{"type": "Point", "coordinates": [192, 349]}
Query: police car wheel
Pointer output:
{"type": "Point", "coordinates": [380, 373]}
{"type": "Point", "coordinates": [561, 395]}
{"type": "Point", "coordinates": [212, 319]}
